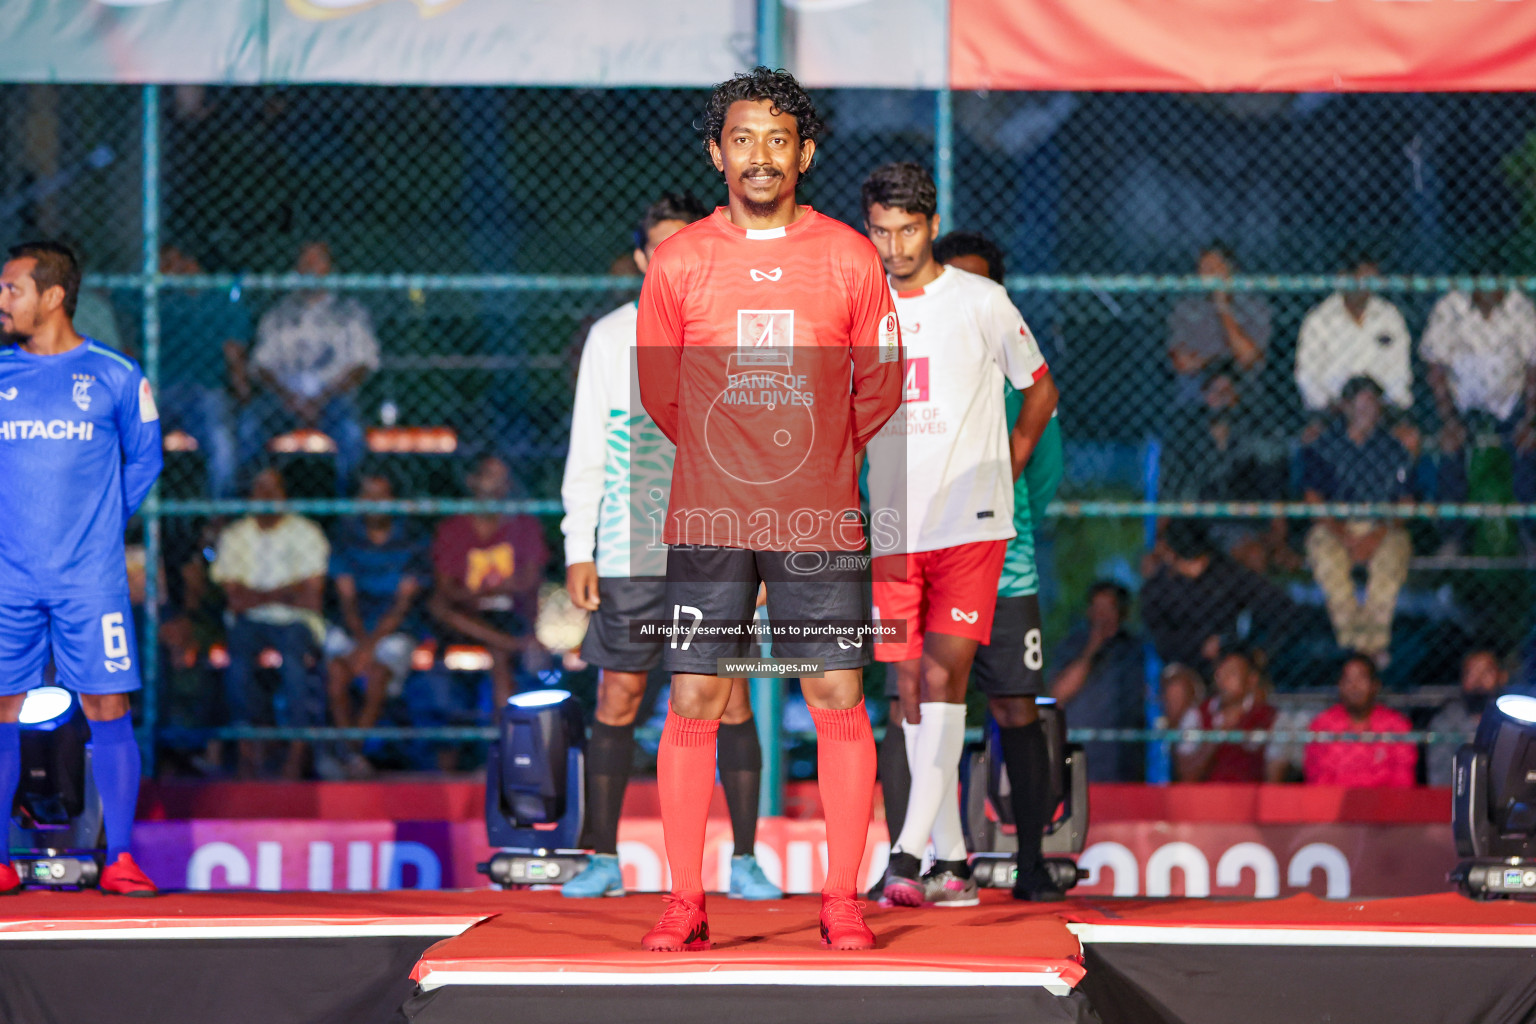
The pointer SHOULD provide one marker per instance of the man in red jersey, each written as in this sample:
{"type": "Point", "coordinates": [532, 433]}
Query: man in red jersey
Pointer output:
{"type": "Point", "coordinates": [769, 353]}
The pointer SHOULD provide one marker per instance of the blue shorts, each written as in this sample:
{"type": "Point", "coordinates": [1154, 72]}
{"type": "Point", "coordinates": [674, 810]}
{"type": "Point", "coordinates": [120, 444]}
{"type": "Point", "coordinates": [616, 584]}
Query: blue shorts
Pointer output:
{"type": "Point", "coordinates": [91, 638]}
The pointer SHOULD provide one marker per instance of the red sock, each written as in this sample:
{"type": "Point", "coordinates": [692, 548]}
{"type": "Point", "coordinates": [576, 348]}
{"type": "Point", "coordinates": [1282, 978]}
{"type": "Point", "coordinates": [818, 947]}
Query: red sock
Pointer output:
{"type": "Point", "coordinates": [685, 781]}
{"type": "Point", "coordinates": [845, 768]}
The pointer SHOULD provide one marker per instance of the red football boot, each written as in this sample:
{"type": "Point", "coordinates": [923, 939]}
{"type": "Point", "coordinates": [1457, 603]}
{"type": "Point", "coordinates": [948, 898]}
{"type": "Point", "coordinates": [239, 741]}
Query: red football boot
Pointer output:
{"type": "Point", "coordinates": [124, 878]}
{"type": "Point", "coordinates": [842, 924]}
{"type": "Point", "coordinates": [683, 926]}
{"type": "Point", "coordinates": [10, 881]}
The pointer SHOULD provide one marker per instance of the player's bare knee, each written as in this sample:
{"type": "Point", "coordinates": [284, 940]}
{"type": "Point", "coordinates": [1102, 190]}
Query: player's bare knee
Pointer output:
{"type": "Point", "coordinates": [618, 697]}
{"type": "Point", "coordinates": [695, 696]}
{"type": "Point", "coordinates": [104, 707]}
{"type": "Point", "coordinates": [10, 708]}
{"type": "Point", "coordinates": [1014, 712]}
{"type": "Point", "coordinates": [838, 690]}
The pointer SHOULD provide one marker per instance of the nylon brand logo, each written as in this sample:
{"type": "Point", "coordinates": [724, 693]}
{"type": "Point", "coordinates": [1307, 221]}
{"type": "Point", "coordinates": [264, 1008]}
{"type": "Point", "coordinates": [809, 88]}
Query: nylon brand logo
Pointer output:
{"type": "Point", "coordinates": [9, 394]}
{"type": "Point", "coordinates": [118, 665]}
{"type": "Point", "coordinates": [960, 616]}
{"type": "Point", "coordinates": [766, 275]}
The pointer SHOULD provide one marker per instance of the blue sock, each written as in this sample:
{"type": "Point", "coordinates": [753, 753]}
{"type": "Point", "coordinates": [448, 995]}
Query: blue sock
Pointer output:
{"type": "Point", "coordinates": [115, 765]}
{"type": "Point", "coordinates": [10, 771]}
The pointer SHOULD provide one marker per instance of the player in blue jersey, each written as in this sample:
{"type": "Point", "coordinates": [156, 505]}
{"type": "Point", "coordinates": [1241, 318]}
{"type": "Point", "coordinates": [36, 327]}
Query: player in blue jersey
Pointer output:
{"type": "Point", "coordinates": [79, 450]}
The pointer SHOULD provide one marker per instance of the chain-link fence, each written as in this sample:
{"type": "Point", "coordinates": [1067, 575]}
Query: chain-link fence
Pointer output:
{"type": "Point", "coordinates": [1208, 274]}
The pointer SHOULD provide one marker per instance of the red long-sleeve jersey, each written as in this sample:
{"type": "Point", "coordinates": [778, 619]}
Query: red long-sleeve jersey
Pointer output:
{"type": "Point", "coordinates": [769, 358]}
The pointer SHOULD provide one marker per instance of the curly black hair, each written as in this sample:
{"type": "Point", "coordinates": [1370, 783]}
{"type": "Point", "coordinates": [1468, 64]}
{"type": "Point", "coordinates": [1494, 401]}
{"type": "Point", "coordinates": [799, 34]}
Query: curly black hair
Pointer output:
{"type": "Point", "coordinates": [683, 206]}
{"type": "Point", "coordinates": [901, 186]}
{"type": "Point", "coordinates": [971, 243]}
{"type": "Point", "coordinates": [761, 83]}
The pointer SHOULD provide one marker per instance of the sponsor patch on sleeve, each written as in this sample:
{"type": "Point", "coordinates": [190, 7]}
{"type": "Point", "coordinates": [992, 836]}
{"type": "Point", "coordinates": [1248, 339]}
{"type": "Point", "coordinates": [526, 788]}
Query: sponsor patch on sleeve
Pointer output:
{"type": "Point", "coordinates": [147, 411]}
{"type": "Point", "coordinates": [890, 339]}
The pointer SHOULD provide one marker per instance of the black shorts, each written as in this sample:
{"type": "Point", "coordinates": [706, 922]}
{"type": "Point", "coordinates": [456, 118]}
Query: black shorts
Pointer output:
{"type": "Point", "coordinates": [609, 642]}
{"type": "Point", "coordinates": [717, 587]}
{"type": "Point", "coordinates": [1013, 664]}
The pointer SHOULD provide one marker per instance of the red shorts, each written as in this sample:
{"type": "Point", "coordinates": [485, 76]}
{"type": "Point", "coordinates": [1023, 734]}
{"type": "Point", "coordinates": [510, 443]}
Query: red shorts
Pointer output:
{"type": "Point", "coordinates": [951, 590]}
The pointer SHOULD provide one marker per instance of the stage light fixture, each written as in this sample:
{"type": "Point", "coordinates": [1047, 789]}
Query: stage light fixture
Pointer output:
{"type": "Point", "coordinates": [55, 828]}
{"type": "Point", "coordinates": [988, 817]}
{"type": "Point", "coordinates": [534, 788]}
{"type": "Point", "coordinates": [1493, 809]}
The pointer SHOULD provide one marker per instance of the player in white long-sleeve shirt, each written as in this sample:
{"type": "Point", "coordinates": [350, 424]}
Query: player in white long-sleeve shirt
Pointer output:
{"type": "Point", "coordinates": [617, 475]}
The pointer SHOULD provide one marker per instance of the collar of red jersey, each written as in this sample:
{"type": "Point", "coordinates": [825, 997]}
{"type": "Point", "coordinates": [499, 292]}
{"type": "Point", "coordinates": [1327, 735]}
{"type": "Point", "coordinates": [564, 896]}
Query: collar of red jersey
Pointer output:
{"type": "Point", "coordinates": [763, 234]}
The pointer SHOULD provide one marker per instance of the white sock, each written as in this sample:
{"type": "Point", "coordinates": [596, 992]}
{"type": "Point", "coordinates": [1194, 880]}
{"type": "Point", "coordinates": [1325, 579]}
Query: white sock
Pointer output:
{"type": "Point", "coordinates": [935, 768]}
{"type": "Point", "coordinates": [909, 734]}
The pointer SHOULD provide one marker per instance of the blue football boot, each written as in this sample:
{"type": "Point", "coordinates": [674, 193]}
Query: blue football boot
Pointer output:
{"type": "Point", "coordinates": [601, 877]}
{"type": "Point", "coordinates": [749, 883]}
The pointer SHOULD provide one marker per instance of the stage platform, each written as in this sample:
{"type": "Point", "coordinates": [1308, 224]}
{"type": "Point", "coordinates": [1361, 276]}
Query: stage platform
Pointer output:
{"type": "Point", "coordinates": [442, 957]}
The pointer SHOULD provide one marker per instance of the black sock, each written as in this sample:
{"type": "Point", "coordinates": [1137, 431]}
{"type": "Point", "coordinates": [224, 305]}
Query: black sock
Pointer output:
{"type": "Point", "coordinates": [1029, 778]}
{"type": "Point", "coordinates": [610, 754]}
{"type": "Point", "coordinates": [895, 778]}
{"type": "Point", "coordinates": [740, 760]}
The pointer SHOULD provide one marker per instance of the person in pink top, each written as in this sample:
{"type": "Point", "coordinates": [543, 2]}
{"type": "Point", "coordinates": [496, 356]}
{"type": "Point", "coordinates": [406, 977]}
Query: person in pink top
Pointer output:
{"type": "Point", "coordinates": [1360, 764]}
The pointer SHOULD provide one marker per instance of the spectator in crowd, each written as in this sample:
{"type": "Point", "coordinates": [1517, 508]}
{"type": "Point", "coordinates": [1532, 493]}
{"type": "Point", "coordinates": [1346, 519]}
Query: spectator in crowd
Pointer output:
{"type": "Point", "coordinates": [1102, 682]}
{"type": "Point", "coordinates": [1350, 334]}
{"type": "Point", "coordinates": [1220, 451]}
{"type": "Point", "coordinates": [313, 350]}
{"type": "Point", "coordinates": [379, 568]}
{"type": "Point", "coordinates": [1195, 598]}
{"type": "Point", "coordinates": [1483, 677]}
{"type": "Point", "coordinates": [1238, 703]}
{"type": "Point", "coordinates": [95, 316]}
{"type": "Point", "coordinates": [1481, 354]}
{"type": "Point", "coordinates": [1360, 764]}
{"type": "Point", "coordinates": [488, 569]}
{"type": "Point", "coordinates": [272, 568]}
{"type": "Point", "coordinates": [203, 338]}
{"type": "Point", "coordinates": [1359, 462]}
{"type": "Point", "coordinates": [1181, 689]}
{"type": "Point", "coordinates": [1218, 326]}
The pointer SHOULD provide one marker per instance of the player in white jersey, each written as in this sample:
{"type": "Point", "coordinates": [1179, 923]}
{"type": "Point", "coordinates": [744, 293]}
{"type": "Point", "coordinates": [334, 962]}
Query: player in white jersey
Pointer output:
{"type": "Point", "coordinates": [941, 484]}
{"type": "Point", "coordinates": [617, 471]}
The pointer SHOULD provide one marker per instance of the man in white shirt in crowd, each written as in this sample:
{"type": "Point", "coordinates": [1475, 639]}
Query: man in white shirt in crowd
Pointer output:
{"type": "Point", "coordinates": [272, 569]}
{"type": "Point", "coordinates": [617, 470]}
{"type": "Point", "coordinates": [941, 489]}
{"type": "Point", "coordinates": [313, 350]}
{"type": "Point", "coordinates": [1481, 353]}
{"type": "Point", "coordinates": [1354, 333]}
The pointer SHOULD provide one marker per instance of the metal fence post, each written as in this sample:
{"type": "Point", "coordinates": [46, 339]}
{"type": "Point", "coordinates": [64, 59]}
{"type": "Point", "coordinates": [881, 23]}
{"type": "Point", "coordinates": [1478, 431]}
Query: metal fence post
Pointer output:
{"type": "Point", "coordinates": [149, 643]}
{"type": "Point", "coordinates": [944, 155]}
{"type": "Point", "coordinates": [768, 33]}
{"type": "Point", "coordinates": [768, 712]}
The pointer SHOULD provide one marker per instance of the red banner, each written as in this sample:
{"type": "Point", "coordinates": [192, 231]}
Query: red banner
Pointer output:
{"type": "Point", "coordinates": [1244, 45]}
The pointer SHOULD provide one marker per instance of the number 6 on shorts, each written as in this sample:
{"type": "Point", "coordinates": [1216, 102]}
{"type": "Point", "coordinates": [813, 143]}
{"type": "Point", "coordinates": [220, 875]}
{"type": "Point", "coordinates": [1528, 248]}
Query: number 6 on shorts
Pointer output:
{"type": "Point", "coordinates": [114, 638]}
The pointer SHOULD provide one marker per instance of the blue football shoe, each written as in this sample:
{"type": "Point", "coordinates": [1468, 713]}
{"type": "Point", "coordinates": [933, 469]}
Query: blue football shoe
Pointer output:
{"type": "Point", "coordinates": [601, 877]}
{"type": "Point", "coordinates": [749, 883]}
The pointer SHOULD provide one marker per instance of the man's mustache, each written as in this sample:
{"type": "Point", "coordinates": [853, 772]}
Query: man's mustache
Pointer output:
{"type": "Point", "coordinates": [769, 169]}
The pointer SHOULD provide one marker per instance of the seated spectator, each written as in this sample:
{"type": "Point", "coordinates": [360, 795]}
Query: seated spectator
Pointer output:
{"type": "Point", "coordinates": [1220, 450]}
{"type": "Point", "coordinates": [488, 570]}
{"type": "Point", "coordinates": [1238, 703]}
{"type": "Point", "coordinates": [203, 338]}
{"type": "Point", "coordinates": [1195, 596]}
{"type": "Point", "coordinates": [272, 568]}
{"type": "Point", "coordinates": [1218, 326]}
{"type": "Point", "coordinates": [1181, 689]}
{"type": "Point", "coordinates": [313, 350]}
{"type": "Point", "coordinates": [379, 568]}
{"type": "Point", "coordinates": [1481, 353]}
{"type": "Point", "coordinates": [1360, 764]}
{"type": "Point", "coordinates": [1483, 677]}
{"type": "Point", "coordinates": [1356, 333]}
{"type": "Point", "coordinates": [1102, 682]}
{"type": "Point", "coordinates": [1359, 462]}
